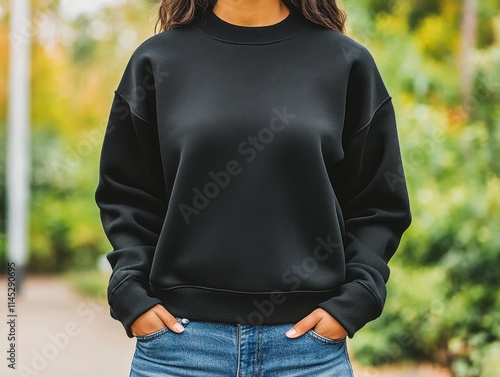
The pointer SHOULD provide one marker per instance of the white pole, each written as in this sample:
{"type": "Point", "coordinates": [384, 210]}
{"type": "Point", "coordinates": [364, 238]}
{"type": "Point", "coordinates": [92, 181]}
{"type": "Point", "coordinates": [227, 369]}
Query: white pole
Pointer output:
{"type": "Point", "coordinates": [468, 43]}
{"type": "Point", "coordinates": [18, 139]}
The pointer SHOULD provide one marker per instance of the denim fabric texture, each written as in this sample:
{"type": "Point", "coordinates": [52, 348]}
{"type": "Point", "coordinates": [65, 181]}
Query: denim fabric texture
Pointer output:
{"type": "Point", "coordinates": [232, 350]}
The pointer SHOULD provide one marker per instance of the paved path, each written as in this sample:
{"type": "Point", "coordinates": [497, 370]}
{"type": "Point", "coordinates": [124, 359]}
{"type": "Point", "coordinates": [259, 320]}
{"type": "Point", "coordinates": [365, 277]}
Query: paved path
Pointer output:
{"type": "Point", "coordinates": [62, 334]}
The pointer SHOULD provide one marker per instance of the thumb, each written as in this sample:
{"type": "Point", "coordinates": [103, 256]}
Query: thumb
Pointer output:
{"type": "Point", "coordinates": [304, 325]}
{"type": "Point", "coordinates": [168, 319]}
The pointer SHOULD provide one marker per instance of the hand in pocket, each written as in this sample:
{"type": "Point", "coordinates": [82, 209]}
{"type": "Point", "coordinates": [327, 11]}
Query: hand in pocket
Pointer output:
{"type": "Point", "coordinates": [322, 323]}
{"type": "Point", "coordinates": [154, 320]}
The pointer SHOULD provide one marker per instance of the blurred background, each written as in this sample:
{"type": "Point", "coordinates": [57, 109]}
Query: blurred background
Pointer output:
{"type": "Point", "coordinates": [441, 63]}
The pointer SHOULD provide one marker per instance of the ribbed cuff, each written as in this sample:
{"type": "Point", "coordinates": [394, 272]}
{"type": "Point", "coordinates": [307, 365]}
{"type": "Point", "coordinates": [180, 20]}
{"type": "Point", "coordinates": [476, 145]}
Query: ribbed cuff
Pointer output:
{"type": "Point", "coordinates": [353, 307]}
{"type": "Point", "coordinates": [129, 300]}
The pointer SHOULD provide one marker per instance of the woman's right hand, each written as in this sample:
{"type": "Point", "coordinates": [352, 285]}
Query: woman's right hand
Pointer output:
{"type": "Point", "coordinates": [154, 320]}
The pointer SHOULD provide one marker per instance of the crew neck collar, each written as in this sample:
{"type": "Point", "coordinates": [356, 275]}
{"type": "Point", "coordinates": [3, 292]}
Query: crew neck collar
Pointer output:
{"type": "Point", "coordinates": [215, 27]}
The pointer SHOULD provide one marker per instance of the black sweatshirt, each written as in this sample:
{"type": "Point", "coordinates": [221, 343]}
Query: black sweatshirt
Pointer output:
{"type": "Point", "coordinates": [251, 175]}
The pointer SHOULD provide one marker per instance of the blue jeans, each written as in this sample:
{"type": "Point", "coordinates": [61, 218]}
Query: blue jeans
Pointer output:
{"type": "Point", "coordinates": [232, 350]}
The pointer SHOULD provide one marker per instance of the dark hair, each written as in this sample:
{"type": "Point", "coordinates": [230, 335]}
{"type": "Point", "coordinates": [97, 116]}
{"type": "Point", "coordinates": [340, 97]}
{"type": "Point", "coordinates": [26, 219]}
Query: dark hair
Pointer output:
{"type": "Point", "coordinates": [174, 13]}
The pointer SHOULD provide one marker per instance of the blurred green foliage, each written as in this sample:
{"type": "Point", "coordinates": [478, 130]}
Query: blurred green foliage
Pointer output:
{"type": "Point", "coordinates": [90, 283]}
{"type": "Point", "coordinates": [444, 291]}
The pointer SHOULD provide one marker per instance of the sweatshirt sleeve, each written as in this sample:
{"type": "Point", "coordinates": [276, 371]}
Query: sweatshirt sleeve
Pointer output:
{"type": "Point", "coordinates": [372, 193]}
{"type": "Point", "coordinates": [130, 192]}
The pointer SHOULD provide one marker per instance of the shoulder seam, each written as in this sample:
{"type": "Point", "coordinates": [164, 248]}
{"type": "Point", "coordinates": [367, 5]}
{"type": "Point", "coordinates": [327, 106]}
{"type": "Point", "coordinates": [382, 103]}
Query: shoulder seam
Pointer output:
{"type": "Point", "coordinates": [388, 98]}
{"type": "Point", "coordinates": [141, 147]}
{"type": "Point", "coordinates": [132, 110]}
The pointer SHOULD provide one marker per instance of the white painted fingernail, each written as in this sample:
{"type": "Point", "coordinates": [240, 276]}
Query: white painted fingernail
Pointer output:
{"type": "Point", "coordinates": [179, 327]}
{"type": "Point", "coordinates": [291, 332]}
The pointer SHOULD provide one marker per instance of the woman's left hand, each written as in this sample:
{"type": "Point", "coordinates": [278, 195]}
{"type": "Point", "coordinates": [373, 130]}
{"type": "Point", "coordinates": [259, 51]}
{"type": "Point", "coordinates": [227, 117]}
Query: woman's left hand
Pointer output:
{"type": "Point", "coordinates": [322, 323]}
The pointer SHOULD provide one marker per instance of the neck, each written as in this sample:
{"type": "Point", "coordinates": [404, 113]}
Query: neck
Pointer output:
{"type": "Point", "coordinates": [251, 12]}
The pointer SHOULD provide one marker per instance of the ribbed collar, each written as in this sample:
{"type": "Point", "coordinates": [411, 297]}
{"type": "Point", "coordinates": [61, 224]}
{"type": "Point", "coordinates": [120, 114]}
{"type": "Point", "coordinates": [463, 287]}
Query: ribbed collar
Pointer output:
{"type": "Point", "coordinates": [209, 23]}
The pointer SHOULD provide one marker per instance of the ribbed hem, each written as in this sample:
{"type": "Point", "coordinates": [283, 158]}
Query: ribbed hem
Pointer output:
{"type": "Point", "coordinates": [128, 301]}
{"type": "Point", "coordinates": [209, 23]}
{"type": "Point", "coordinates": [353, 307]}
{"type": "Point", "coordinates": [241, 308]}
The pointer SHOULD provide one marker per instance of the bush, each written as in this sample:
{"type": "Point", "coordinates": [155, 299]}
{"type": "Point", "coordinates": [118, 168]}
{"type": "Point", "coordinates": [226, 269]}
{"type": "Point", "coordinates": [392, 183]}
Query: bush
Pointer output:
{"type": "Point", "coordinates": [65, 226]}
{"type": "Point", "coordinates": [444, 291]}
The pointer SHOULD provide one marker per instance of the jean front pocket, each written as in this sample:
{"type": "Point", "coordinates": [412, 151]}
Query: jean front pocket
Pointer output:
{"type": "Point", "coordinates": [313, 334]}
{"type": "Point", "coordinates": [153, 335]}
{"type": "Point", "coordinates": [157, 334]}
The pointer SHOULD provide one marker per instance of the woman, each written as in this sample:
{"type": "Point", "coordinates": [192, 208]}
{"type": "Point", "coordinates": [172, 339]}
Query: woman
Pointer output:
{"type": "Point", "coordinates": [252, 189]}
